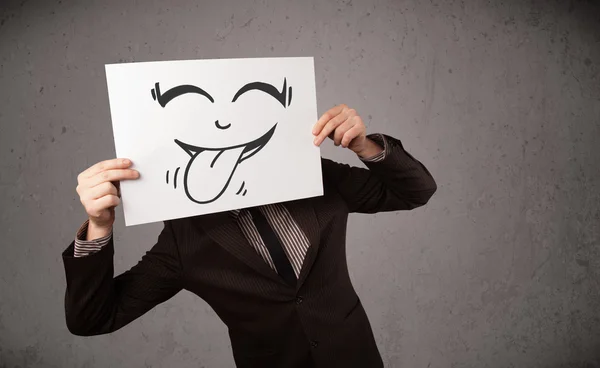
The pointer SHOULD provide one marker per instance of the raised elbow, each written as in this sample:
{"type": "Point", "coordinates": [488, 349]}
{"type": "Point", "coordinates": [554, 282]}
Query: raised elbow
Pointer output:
{"type": "Point", "coordinates": [77, 329]}
{"type": "Point", "coordinates": [430, 192]}
{"type": "Point", "coordinates": [424, 196]}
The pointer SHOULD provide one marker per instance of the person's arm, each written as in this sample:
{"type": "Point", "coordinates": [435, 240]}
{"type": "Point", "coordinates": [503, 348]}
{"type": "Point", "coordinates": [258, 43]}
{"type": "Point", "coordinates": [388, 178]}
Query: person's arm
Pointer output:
{"type": "Point", "coordinates": [96, 303]}
{"type": "Point", "coordinates": [394, 180]}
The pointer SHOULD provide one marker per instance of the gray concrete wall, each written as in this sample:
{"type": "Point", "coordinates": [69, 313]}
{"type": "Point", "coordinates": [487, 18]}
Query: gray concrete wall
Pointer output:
{"type": "Point", "coordinates": [500, 100]}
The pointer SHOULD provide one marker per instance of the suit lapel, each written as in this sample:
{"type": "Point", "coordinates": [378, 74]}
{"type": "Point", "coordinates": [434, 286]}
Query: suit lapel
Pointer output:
{"type": "Point", "coordinates": [223, 229]}
{"type": "Point", "coordinates": [304, 213]}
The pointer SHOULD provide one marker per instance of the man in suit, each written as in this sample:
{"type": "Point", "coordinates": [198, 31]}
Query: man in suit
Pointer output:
{"type": "Point", "coordinates": [276, 274]}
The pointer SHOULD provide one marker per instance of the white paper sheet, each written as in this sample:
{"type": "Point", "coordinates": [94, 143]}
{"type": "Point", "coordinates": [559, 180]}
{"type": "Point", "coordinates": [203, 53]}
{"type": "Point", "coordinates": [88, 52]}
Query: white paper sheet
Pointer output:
{"type": "Point", "coordinates": [214, 135]}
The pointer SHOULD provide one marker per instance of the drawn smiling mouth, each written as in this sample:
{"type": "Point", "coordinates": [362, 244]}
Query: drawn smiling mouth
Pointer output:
{"type": "Point", "coordinates": [210, 169]}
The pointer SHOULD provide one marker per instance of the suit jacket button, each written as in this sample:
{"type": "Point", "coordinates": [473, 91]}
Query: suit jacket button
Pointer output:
{"type": "Point", "coordinates": [299, 300]}
{"type": "Point", "coordinates": [314, 344]}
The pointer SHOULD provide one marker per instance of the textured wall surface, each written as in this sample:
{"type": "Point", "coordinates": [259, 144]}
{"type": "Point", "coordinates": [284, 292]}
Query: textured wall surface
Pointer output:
{"type": "Point", "coordinates": [499, 99]}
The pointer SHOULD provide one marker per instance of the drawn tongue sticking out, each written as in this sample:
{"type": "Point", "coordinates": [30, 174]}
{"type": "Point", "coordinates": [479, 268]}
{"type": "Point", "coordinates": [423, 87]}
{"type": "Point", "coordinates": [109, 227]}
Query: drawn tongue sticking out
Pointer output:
{"type": "Point", "coordinates": [208, 173]}
{"type": "Point", "coordinates": [210, 170]}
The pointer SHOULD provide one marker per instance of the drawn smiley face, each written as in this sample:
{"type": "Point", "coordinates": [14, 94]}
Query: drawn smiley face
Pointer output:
{"type": "Point", "coordinates": [210, 169]}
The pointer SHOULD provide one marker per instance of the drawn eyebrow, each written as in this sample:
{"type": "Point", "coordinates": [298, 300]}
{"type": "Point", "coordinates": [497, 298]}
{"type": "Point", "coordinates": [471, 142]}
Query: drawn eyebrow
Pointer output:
{"type": "Point", "coordinates": [268, 88]}
{"type": "Point", "coordinates": [164, 98]}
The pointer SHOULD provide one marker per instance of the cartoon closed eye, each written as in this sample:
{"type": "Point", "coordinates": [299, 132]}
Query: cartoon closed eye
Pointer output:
{"type": "Point", "coordinates": [210, 169]}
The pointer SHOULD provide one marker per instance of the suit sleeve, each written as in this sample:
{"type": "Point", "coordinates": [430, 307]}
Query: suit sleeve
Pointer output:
{"type": "Point", "coordinates": [98, 303]}
{"type": "Point", "coordinates": [394, 181]}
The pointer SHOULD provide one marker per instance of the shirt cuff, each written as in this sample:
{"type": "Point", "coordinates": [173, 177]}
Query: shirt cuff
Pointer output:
{"type": "Point", "coordinates": [380, 140]}
{"type": "Point", "coordinates": [85, 247]}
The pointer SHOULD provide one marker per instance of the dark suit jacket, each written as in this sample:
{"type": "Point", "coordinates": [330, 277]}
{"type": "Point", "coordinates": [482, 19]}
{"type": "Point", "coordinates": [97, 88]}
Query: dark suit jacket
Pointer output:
{"type": "Point", "coordinates": [271, 324]}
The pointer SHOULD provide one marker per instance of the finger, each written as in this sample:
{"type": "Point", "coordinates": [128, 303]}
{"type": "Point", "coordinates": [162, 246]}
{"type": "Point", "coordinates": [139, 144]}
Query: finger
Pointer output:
{"type": "Point", "coordinates": [336, 123]}
{"type": "Point", "coordinates": [339, 132]}
{"type": "Point", "coordinates": [352, 133]}
{"type": "Point", "coordinates": [117, 185]}
{"type": "Point", "coordinates": [102, 204]}
{"type": "Point", "coordinates": [327, 131]}
{"type": "Point", "coordinates": [101, 190]}
{"type": "Point", "coordinates": [116, 163]}
{"type": "Point", "coordinates": [330, 127]}
{"type": "Point", "coordinates": [324, 119]}
{"type": "Point", "coordinates": [112, 175]}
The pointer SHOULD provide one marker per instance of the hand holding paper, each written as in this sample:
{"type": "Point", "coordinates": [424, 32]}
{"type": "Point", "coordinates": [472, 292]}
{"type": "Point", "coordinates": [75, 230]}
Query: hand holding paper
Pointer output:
{"type": "Point", "coordinates": [99, 195]}
{"type": "Point", "coordinates": [346, 128]}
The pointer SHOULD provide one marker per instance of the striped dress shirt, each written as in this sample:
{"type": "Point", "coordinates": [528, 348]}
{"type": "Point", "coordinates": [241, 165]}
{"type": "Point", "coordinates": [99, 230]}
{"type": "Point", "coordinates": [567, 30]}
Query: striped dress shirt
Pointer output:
{"type": "Point", "coordinates": [294, 241]}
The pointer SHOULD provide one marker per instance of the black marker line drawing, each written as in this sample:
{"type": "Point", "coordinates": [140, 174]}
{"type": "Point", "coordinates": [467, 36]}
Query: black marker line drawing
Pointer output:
{"type": "Point", "coordinates": [242, 187]}
{"type": "Point", "coordinates": [228, 158]}
{"type": "Point", "coordinates": [267, 88]}
{"type": "Point", "coordinates": [212, 164]}
{"type": "Point", "coordinates": [248, 150]}
{"type": "Point", "coordinates": [175, 178]}
{"type": "Point", "coordinates": [222, 126]}
{"type": "Point", "coordinates": [163, 99]}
